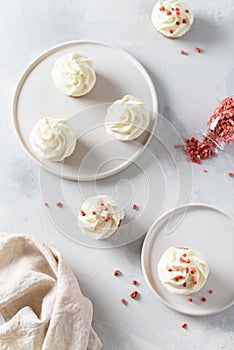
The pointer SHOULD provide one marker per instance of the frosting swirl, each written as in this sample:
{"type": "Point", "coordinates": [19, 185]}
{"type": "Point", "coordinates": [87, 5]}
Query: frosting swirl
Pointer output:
{"type": "Point", "coordinates": [182, 271]}
{"type": "Point", "coordinates": [53, 139]}
{"type": "Point", "coordinates": [127, 118]}
{"type": "Point", "coordinates": [172, 18]}
{"type": "Point", "coordinates": [74, 74]}
{"type": "Point", "coordinates": [100, 217]}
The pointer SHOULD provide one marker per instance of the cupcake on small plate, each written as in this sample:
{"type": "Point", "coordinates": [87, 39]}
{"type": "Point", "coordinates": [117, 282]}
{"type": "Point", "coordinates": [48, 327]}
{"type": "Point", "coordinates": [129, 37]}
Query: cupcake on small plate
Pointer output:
{"type": "Point", "coordinates": [53, 139]}
{"type": "Point", "coordinates": [74, 74]}
{"type": "Point", "coordinates": [182, 271]}
{"type": "Point", "coordinates": [127, 118]}
{"type": "Point", "coordinates": [172, 18]}
{"type": "Point", "coordinates": [100, 216]}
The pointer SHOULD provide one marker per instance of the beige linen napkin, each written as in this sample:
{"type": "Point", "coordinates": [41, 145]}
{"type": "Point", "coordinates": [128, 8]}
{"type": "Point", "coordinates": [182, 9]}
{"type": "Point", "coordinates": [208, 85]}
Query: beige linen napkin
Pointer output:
{"type": "Point", "coordinates": [40, 299]}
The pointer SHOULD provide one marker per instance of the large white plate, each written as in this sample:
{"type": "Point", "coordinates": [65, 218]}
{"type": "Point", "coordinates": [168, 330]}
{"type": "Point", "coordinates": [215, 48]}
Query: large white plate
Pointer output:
{"type": "Point", "coordinates": [97, 154]}
{"type": "Point", "coordinates": [206, 229]}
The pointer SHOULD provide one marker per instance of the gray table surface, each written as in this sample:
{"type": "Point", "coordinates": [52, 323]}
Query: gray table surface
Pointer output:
{"type": "Point", "coordinates": [189, 87]}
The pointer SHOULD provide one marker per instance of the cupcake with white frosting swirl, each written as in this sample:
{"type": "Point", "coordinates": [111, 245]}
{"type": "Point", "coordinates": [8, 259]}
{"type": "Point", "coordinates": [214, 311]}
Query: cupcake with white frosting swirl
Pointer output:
{"type": "Point", "coordinates": [172, 18]}
{"type": "Point", "coordinates": [127, 118]}
{"type": "Point", "coordinates": [182, 271]}
{"type": "Point", "coordinates": [100, 217]}
{"type": "Point", "coordinates": [74, 74]}
{"type": "Point", "coordinates": [53, 139]}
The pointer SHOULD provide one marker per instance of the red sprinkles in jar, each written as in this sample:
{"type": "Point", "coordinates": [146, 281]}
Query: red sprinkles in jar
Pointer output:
{"type": "Point", "coordinates": [220, 132]}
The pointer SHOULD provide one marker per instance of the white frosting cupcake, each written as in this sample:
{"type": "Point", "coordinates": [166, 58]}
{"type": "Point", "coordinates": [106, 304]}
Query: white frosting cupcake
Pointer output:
{"type": "Point", "coordinates": [100, 217]}
{"type": "Point", "coordinates": [127, 118]}
{"type": "Point", "coordinates": [53, 139]}
{"type": "Point", "coordinates": [74, 74]}
{"type": "Point", "coordinates": [172, 18]}
{"type": "Point", "coordinates": [182, 271]}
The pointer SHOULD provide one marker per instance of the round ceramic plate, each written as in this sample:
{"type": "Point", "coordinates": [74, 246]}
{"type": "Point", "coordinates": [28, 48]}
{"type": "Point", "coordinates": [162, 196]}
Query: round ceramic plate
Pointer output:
{"type": "Point", "coordinates": [97, 154]}
{"type": "Point", "coordinates": [206, 229]}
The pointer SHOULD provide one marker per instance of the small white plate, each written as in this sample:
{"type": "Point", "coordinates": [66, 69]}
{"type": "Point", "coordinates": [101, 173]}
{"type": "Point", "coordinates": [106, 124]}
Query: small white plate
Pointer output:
{"type": "Point", "coordinates": [206, 229]}
{"type": "Point", "coordinates": [97, 154]}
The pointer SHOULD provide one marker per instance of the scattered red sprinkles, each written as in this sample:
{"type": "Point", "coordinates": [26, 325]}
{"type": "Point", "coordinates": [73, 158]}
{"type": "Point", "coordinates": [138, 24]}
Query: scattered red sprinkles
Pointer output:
{"type": "Point", "coordinates": [59, 204]}
{"type": "Point", "coordinates": [116, 272]}
{"type": "Point", "coordinates": [168, 13]}
{"type": "Point", "coordinates": [231, 174]}
{"type": "Point", "coordinates": [134, 206]}
{"type": "Point", "coordinates": [184, 325]}
{"type": "Point", "coordinates": [82, 213]}
{"type": "Point", "coordinates": [123, 301]}
{"type": "Point", "coordinates": [177, 23]}
{"type": "Point", "coordinates": [184, 20]}
{"type": "Point", "coordinates": [187, 269]}
{"type": "Point", "coordinates": [187, 11]}
{"type": "Point", "coordinates": [184, 255]}
{"type": "Point", "coordinates": [184, 284]}
{"type": "Point", "coordinates": [162, 8]}
{"type": "Point", "coordinates": [203, 299]}
{"type": "Point", "coordinates": [134, 282]}
{"type": "Point", "coordinates": [46, 204]}
{"type": "Point", "coordinates": [220, 133]}
{"type": "Point", "coordinates": [205, 171]}
{"type": "Point", "coordinates": [94, 212]}
{"type": "Point", "coordinates": [190, 300]}
{"type": "Point", "coordinates": [193, 271]}
{"type": "Point", "coordinates": [197, 49]}
{"type": "Point", "coordinates": [188, 261]}
{"type": "Point", "coordinates": [171, 31]}
{"type": "Point", "coordinates": [134, 294]}
{"type": "Point", "coordinates": [182, 52]}
{"type": "Point", "coordinates": [211, 291]}
{"type": "Point", "coordinates": [170, 270]}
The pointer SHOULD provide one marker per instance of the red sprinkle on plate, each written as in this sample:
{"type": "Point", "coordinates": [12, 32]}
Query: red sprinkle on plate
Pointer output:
{"type": "Point", "coordinates": [134, 282]}
{"type": "Point", "coordinates": [190, 300]}
{"type": "Point", "coordinates": [59, 204]}
{"type": "Point", "coordinates": [184, 325]}
{"type": "Point", "coordinates": [134, 294]}
{"type": "Point", "coordinates": [123, 301]}
{"type": "Point", "coordinates": [46, 204]}
{"type": "Point", "coordinates": [134, 206]}
{"type": "Point", "coordinates": [211, 291]}
{"type": "Point", "coordinates": [231, 174]}
{"type": "Point", "coordinates": [117, 272]}
{"type": "Point", "coordinates": [203, 299]}
{"type": "Point", "coordinates": [197, 49]}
